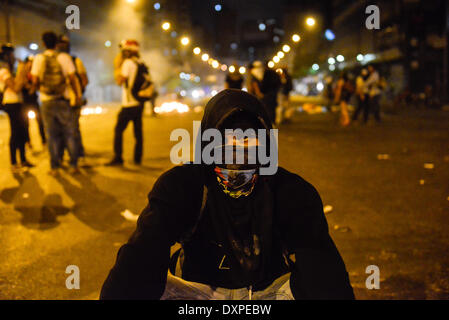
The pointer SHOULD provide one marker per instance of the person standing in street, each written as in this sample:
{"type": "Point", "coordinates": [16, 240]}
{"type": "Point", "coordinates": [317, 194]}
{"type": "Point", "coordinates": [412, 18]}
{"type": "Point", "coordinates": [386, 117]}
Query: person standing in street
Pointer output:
{"type": "Point", "coordinates": [343, 92]}
{"type": "Point", "coordinates": [234, 80]}
{"type": "Point", "coordinates": [50, 73]}
{"type": "Point", "coordinates": [283, 112]}
{"type": "Point", "coordinates": [361, 95]}
{"type": "Point", "coordinates": [30, 101]}
{"type": "Point", "coordinates": [12, 103]}
{"type": "Point", "coordinates": [271, 83]}
{"type": "Point", "coordinates": [254, 79]}
{"type": "Point", "coordinates": [132, 74]}
{"type": "Point", "coordinates": [81, 76]}
{"type": "Point", "coordinates": [373, 86]}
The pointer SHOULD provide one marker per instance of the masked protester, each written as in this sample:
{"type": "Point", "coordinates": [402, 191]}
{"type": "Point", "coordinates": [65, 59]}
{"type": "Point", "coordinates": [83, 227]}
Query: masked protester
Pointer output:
{"type": "Point", "coordinates": [240, 231]}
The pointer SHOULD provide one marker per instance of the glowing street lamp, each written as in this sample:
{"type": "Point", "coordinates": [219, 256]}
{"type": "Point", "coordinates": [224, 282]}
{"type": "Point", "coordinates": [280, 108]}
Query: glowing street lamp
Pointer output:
{"type": "Point", "coordinates": [166, 26]}
{"type": "Point", "coordinates": [197, 51]}
{"type": "Point", "coordinates": [231, 69]}
{"type": "Point", "coordinates": [360, 57]}
{"type": "Point", "coordinates": [276, 59]}
{"type": "Point", "coordinates": [280, 54]}
{"type": "Point", "coordinates": [286, 48]}
{"type": "Point", "coordinates": [340, 58]}
{"type": "Point", "coordinates": [185, 41]}
{"type": "Point", "coordinates": [331, 60]}
{"type": "Point", "coordinates": [310, 21]}
{"type": "Point", "coordinates": [224, 67]}
{"type": "Point", "coordinates": [205, 57]}
{"type": "Point", "coordinates": [242, 70]}
{"type": "Point", "coordinates": [315, 67]}
{"type": "Point", "coordinates": [215, 64]}
{"type": "Point", "coordinates": [271, 64]}
{"type": "Point", "coordinates": [296, 38]}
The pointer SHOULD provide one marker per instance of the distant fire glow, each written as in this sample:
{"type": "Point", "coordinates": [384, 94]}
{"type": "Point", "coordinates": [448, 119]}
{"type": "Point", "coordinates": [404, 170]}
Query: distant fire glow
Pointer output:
{"type": "Point", "coordinates": [172, 106]}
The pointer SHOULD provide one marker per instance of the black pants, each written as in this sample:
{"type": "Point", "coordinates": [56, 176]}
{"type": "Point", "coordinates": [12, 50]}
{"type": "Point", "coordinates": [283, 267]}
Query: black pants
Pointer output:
{"type": "Point", "coordinates": [362, 105]}
{"type": "Point", "coordinates": [126, 115]}
{"type": "Point", "coordinates": [19, 131]}
{"type": "Point", "coordinates": [374, 107]}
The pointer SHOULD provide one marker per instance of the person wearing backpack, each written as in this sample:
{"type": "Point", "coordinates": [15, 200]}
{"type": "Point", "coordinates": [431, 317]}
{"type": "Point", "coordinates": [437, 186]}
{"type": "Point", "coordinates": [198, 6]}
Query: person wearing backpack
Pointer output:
{"type": "Point", "coordinates": [11, 102]}
{"type": "Point", "coordinates": [81, 76]}
{"type": "Point", "coordinates": [244, 233]}
{"type": "Point", "coordinates": [132, 74]}
{"type": "Point", "coordinates": [51, 71]}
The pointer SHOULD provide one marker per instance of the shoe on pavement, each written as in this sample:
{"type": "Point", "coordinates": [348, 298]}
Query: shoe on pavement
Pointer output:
{"type": "Point", "coordinates": [74, 170]}
{"type": "Point", "coordinates": [27, 164]}
{"type": "Point", "coordinates": [115, 163]}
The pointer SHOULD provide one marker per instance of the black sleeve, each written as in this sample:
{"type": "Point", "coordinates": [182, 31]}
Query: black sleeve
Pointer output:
{"type": "Point", "coordinates": [318, 271]}
{"type": "Point", "coordinates": [140, 270]}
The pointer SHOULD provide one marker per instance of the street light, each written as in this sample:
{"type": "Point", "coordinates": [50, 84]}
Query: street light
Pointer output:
{"type": "Point", "coordinates": [231, 69]}
{"type": "Point", "coordinates": [166, 26]}
{"type": "Point", "coordinates": [242, 70]}
{"type": "Point", "coordinates": [270, 64]}
{"type": "Point", "coordinates": [286, 48]}
{"type": "Point", "coordinates": [276, 59]}
{"type": "Point", "coordinates": [310, 21]}
{"type": "Point", "coordinates": [224, 67]}
{"type": "Point", "coordinates": [197, 51]}
{"type": "Point", "coordinates": [296, 38]}
{"type": "Point", "coordinates": [340, 58]}
{"type": "Point", "coordinates": [360, 57]}
{"type": "Point", "coordinates": [315, 67]}
{"type": "Point", "coordinates": [205, 57]}
{"type": "Point", "coordinates": [215, 64]}
{"type": "Point", "coordinates": [185, 41]}
{"type": "Point", "coordinates": [331, 60]}
{"type": "Point", "coordinates": [280, 54]}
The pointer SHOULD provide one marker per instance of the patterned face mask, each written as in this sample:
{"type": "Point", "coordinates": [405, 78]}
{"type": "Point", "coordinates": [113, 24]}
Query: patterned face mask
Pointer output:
{"type": "Point", "coordinates": [236, 183]}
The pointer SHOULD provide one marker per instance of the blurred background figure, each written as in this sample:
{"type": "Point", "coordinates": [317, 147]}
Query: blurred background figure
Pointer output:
{"type": "Point", "coordinates": [31, 104]}
{"type": "Point", "coordinates": [234, 80]}
{"type": "Point", "coordinates": [254, 79]}
{"type": "Point", "coordinates": [271, 83]}
{"type": "Point", "coordinates": [12, 103]}
{"type": "Point", "coordinates": [373, 86]}
{"type": "Point", "coordinates": [132, 74]}
{"type": "Point", "coordinates": [283, 112]}
{"type": "Point", "coordinates": [329, 92]}
{"type": "Point", "coordinates": [343, 92]}
{"type": "Point", "coordinates": [82, 81]}
{"type": "Point", "coordinates": [361, 95]}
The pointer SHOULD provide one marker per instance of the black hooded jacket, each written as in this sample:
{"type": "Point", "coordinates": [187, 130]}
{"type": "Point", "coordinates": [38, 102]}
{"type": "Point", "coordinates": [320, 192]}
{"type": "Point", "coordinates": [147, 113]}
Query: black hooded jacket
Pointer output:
{"type": "Point", "coordinates": [286, 210]}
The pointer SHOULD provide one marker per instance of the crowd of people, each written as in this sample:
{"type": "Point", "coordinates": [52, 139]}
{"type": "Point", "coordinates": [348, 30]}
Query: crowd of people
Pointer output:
{"type": "Point", "coordinates": [367, 91]}
{"type": "Point", "coordinates": [60, 80]}
{"type": "Point", "coordinates": [52, 85]}
{"type": "Point", "coordinates": [270, 86]}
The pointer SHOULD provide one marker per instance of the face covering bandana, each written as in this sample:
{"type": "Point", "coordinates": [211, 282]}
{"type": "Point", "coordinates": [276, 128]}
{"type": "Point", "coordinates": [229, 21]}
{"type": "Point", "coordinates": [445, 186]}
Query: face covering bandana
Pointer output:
{"type": "Point", "coordinates": [236, 183]}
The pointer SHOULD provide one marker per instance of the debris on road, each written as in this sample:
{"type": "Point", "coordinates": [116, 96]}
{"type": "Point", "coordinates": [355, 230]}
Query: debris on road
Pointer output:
{"type": "Point", "coordinates": [429, 166]}
{"type": "Point", "coordinates": [341, 228]}
{"type": "Point", "coordinates": [128, 215]}
{"type": "Point", "coordinates": [327, 209]}
{"type": "Point", "coordinates": [383, 156]}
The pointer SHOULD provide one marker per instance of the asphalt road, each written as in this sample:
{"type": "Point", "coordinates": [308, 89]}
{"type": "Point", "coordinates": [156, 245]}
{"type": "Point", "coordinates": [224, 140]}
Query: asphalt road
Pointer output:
{"type": "Point", "coordinates": [392, 213]}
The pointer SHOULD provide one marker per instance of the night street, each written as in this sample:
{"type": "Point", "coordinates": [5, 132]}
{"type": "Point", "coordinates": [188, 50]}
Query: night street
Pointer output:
{"type": "Point", "coordinates": [393, 213]}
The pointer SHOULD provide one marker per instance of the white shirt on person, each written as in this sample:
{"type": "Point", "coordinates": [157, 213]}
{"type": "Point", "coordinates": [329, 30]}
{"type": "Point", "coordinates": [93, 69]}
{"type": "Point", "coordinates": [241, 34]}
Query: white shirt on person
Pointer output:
{"type": "Point", "coordinates": [9, 95]}
{"type": "Point", "coordinates": [372, 83]}
{"type": "Point", "coordinates": [67, 67]}
{"type": "Point", "coordinates": [129, 71]}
